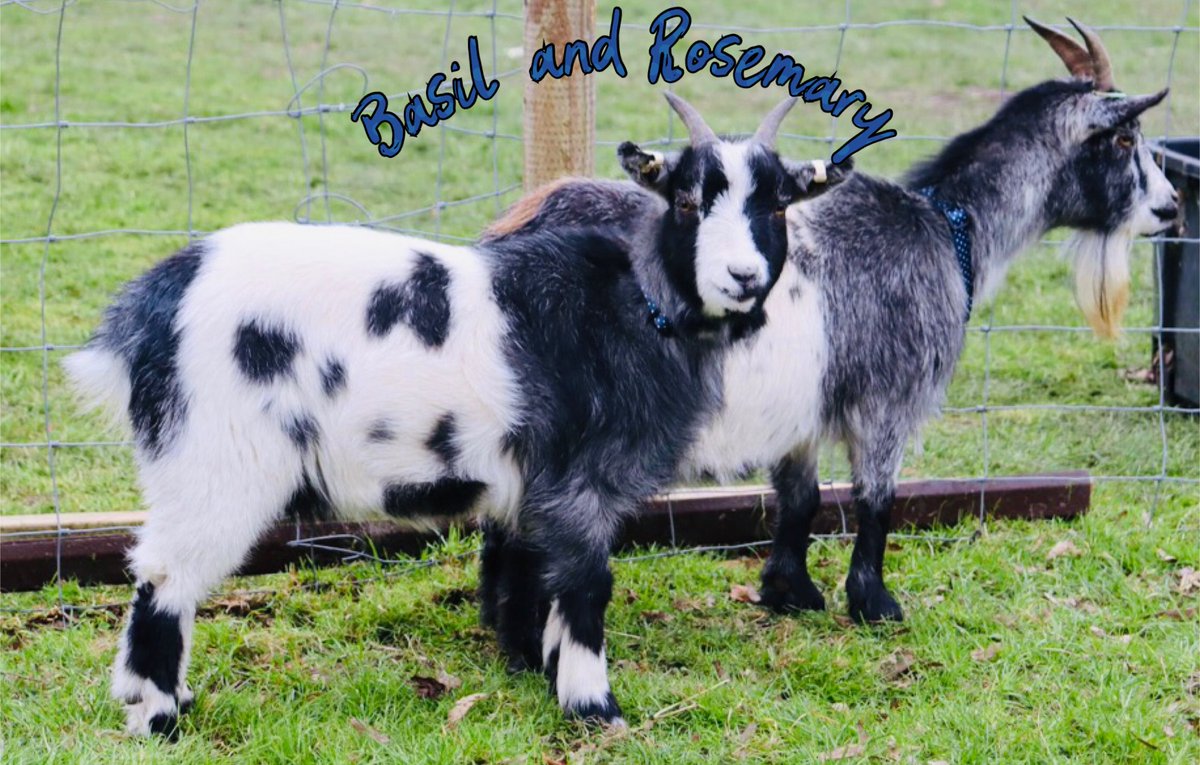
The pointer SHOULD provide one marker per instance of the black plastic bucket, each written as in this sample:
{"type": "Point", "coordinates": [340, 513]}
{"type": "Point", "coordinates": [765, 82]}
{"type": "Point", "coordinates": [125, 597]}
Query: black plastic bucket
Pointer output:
{"type": "Point", "coordinates": [1179, 264]}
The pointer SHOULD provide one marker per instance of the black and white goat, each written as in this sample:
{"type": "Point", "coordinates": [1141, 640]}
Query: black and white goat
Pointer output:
{"type": "Point", "coordinates": [552, 380]}
{"type": "Point", "coordinates": [867, 322]}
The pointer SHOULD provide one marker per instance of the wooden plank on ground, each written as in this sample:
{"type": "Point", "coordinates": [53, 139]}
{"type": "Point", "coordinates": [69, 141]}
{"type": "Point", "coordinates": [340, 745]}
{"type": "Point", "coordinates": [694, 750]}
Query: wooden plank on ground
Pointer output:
{"type": "Point", "coordinates": [688, 518]}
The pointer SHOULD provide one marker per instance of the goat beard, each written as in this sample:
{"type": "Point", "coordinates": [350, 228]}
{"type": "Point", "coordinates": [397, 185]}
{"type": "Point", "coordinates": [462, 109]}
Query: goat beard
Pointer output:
{"type": "Point", "coordinates": [1101, 266]}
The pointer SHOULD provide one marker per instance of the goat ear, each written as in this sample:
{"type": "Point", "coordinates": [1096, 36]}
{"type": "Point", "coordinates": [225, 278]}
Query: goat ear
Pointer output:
{"type": "Point", "coordinates": [817, 176]}
{"type": "Point", "coordinates": [1110, 110]}
{"type": "Point", "coordinates": [649, 169]}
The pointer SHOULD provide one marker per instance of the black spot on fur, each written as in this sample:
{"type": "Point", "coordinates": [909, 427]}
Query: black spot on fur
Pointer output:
{"type": "Point", "coordinates": [140, 328]}
{"type": "Point", "coordinates": [264, 352]}
{"type": "Point", "coordinates": [333, 377]}
{"type": "Point", "coordinates": [303, 431]}
{"type": "Point", "coordinates": [446, 496]}
{"type": "Point", "coordinates": [715, 184]}
{"type": "Point", "coordinates": [380, 432]}
{"type": "Point", "coordinates": [423, 302]}
{"type": "Point", "coordinates": [308, 502]}
{"type": "Point", "coordinates": [441, 441]}
{"type": "Point", "coordinates": [155, 642]}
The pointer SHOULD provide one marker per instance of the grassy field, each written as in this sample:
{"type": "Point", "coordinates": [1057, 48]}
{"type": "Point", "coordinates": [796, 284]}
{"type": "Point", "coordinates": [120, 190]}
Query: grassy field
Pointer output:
{"type": "Point", "coordinates": [1083, 658]}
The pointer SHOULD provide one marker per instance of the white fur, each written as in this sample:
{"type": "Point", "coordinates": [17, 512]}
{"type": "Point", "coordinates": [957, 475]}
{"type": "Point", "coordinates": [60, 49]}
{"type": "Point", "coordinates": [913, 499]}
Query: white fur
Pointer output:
{"type": "Point", "coordinates": [772, 383]}
{"type": "Point", "coordinates": [226, 476]}
{"type": "Point", "coordinates": [582, 675]}
{"type": "Point", "coordinates": [153, 703]}
{"type": "Point", "coordinates": [234, 427]}
{"type": "Point", "coordinates": [1101, 266]}
{"type": "Point", "coordinates": [724, 242]}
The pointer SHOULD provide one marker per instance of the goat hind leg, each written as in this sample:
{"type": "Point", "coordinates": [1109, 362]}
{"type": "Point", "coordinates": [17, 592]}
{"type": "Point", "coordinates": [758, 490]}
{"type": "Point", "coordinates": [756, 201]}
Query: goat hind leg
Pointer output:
{"type": "Point", "coordinates": [511, 596]}
{"type": "Point", "coordinates": [181, 553]}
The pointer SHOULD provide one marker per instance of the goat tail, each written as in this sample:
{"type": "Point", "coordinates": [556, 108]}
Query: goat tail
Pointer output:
{"type": "Point", "coordinates": [101, 381]}
{"type": "Point", "coordinates": [1101, 265]}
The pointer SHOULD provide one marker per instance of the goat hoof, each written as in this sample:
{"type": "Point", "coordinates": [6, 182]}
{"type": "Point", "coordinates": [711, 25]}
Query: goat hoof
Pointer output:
{"type": "Point", "coordinates": [523, 663]}
{"type": "Point", "coordinates": [877, 605]}
{"type": "Point", "coordinates": [787, 587]}
{"type": "Point", "coordinates": [605, 712]}
{"type": "Point", "coordinates": [797, 596]}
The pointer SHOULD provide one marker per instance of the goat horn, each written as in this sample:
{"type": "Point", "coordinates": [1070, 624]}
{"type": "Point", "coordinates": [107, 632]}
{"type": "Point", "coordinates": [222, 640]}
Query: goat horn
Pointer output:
{"type": "Point", "coordinates": [1101, 65]}
{"type": "Point", "coordinates": [770, 124]}
{"type": "Point", "coordinates": [1075, 56]}
{"type": "Point", "coordinates": [698, 129]}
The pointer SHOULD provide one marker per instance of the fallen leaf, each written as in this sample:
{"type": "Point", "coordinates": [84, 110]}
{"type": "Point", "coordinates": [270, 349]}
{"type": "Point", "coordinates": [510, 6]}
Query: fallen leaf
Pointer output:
{"type": "Point", "coordinates": [741, 593]}
{"type": "Point", "coordinates": [1168, 731]}
{"type": "Point", "coordinates": [1176, 615]}
{"type": "Point", "coordinates": [1097, 631]}
{"type": "Point", "coordinates": [1165, 556]}
{"type": "Point", "coordinates": [838, 706]}
{"type": "Point", "coordinates": [1192, 687]}
{"type": "Point", "coordinates": [450, 681]}
{"type": "Point", "coordinates": [898, 664]}
{"type": "Point", "coordinates": [428, 687]}
{"type": "Point", "coordinates": [630, 596]}
{"type": "Point", "coordinates": [747, 734]}
{"type": "Point", "coordinates": [1145, 376]}
{"type": "Point", "coordinates": [461, 707]}
{"type": "Point", "coordinates": [893, 751]}
{"type": "Point", "coordinates": [1065, 547]}
{"type": "Point", "coordinates": [1006, 620]}
{"type": "Point", "coordinates": [849, 750]}
{"type": "Point", "coordinates": [843, 621]}
{"type": "Point", "coordinates": [721, 673]}
{"type": "Point", "coordinates": [986, 654]}
{"type": "Point", "coordinates": [656, 616]}
{"type": "Point", "coordinates": [367, 730]}
{"type": "Point", "coordinates": [1189, 580]}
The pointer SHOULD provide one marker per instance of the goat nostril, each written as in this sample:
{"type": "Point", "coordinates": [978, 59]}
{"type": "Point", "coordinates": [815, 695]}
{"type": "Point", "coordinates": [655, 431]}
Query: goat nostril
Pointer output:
{"type": "Point", "coordinates": [744, 278]}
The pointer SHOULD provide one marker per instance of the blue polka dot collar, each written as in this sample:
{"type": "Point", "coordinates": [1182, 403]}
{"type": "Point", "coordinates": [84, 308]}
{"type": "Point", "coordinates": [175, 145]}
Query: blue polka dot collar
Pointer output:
{"type": "Point", "coordinates": [662, 323]}
{"type": "Point", "coordinates": [958, 219]}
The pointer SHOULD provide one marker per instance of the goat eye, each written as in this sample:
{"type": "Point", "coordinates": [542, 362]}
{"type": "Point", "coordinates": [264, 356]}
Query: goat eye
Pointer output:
{"type": "Point", "coordinates": [781, 207]}
{"type": "Point", "coordinates": [686, 206]}
{"type": "Point", "coordinates": [1125, 141]}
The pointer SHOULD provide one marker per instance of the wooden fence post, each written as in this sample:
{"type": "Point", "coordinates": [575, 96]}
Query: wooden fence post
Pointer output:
{"type": "Point", "coordinates": [560, 115]}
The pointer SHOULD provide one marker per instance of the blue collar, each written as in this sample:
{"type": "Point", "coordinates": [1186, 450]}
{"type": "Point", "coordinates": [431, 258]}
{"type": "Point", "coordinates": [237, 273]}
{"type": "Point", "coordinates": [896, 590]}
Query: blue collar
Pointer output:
{"type": "Point", "coordinates": [958, 219]}
{"type": "Point", "coordinates": [662, 324]}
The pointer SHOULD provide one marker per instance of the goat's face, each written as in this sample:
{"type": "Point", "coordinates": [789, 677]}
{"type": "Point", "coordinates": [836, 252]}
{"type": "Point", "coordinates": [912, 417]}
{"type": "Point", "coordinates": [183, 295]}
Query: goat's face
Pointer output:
{"type": "Point", "coordinates": [723, 239]}
{"type": "Point", "coordinates": [1109, 180]}
{"type": "Point", "coordinates": [1107, 186]}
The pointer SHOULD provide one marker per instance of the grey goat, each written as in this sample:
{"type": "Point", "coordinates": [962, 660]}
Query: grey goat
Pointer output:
{"type": "Point", "coordinates": [867, 323]}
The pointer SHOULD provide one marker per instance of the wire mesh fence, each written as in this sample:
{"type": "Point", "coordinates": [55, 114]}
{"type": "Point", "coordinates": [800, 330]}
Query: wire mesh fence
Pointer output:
{"type": "Point", "coordinates": [133, 126]}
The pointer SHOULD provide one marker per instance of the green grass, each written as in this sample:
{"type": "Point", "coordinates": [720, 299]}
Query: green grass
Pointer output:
{"type": "Point", "coordinates": [283, 680]}
{"type": "Point", "coordinates": [283, 683]}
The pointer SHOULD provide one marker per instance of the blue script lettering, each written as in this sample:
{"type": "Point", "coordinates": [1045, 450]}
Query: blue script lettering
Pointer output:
{"type": "Point", "coordinates": [602, 54]}
{"type": "Point", "coordinates": [419, 112]}
{"type": "Point", "coordinates": [669, 27]}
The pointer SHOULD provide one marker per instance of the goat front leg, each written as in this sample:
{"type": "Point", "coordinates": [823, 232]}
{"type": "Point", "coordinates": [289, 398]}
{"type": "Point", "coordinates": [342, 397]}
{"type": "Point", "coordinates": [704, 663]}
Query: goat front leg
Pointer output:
{"type": "Point", "coordinates": [786, 584]}
{"type": "Point", "coordinates": [511, 597]}
{"type": "Point", "coordinates": [869, 599]}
